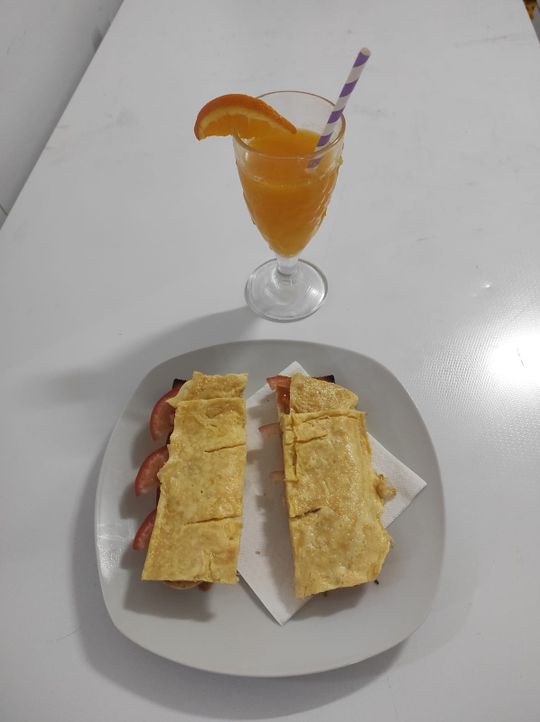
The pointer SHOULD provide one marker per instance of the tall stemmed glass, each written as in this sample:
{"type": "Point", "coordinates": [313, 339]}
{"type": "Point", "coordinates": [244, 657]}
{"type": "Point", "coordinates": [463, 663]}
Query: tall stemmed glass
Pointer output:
{"type": "Point", "coordinates": [287, 190]}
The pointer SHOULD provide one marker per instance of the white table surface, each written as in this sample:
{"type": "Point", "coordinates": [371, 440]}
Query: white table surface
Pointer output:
{"type": "Point", "coordinates": [130, 244]}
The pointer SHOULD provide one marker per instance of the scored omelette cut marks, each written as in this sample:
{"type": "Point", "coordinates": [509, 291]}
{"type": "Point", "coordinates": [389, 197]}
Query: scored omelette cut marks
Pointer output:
{"type": "Point", "coordinates": [333, 493]}
{"type": "Point", "coordinates": [198, 523]}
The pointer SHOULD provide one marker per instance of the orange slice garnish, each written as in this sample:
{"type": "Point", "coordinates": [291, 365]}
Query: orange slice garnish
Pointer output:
{"type": "Point", "coordinates": [240, 115]}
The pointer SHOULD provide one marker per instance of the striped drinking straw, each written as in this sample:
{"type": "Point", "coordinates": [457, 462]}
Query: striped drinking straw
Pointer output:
{"type": "Point", "coordinates": [339, 107]}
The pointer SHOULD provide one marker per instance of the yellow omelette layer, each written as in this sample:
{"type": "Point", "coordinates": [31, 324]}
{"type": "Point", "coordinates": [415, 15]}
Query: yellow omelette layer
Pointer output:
{"type": "Point", "coordinates": [203, 386]}
{"type": "Point", "coordinates": [333, 492]}
{"type": "Point", "coordinates": [311, 394]}
{"type": "Point", "coordinates": [196, 535]}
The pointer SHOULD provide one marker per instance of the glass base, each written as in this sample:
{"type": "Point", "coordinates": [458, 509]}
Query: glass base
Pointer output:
{"type": "Point", "coordinates": [286, 297]}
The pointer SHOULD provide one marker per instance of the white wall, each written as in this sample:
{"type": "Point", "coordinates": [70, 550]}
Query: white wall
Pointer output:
{"type": "Point", "coordinates": [45, 47]}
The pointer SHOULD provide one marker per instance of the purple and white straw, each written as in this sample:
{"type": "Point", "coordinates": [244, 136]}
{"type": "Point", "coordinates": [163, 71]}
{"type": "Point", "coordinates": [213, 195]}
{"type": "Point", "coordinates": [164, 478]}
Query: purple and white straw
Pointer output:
{"type": "Point", "coordinates": [339, 107]}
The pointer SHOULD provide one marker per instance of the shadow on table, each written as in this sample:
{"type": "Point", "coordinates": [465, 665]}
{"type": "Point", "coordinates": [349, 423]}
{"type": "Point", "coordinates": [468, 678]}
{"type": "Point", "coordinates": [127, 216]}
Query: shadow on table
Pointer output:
{"type": "Point", "coordinates": [95, 385]}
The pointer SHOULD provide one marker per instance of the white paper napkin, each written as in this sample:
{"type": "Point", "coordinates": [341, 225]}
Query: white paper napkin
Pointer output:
{"type": "Point", "coordinates": [265, 560]}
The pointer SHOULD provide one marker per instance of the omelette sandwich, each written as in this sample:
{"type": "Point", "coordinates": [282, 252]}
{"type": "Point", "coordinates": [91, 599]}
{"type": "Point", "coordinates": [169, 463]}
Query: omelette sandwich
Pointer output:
{"type": "Point", "coordinates": [334, 496]}
{"type": "Point", "coordinates": [194, 535]}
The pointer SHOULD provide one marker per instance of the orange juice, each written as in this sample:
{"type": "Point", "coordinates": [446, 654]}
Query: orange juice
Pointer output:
{"type": "Point", "coordinates": [286, 198]}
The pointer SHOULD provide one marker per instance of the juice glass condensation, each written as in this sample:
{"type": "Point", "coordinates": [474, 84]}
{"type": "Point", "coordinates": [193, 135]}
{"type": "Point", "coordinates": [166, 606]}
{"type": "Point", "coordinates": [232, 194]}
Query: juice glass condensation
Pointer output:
{"type": "Point", "coordinates": [287, 186]}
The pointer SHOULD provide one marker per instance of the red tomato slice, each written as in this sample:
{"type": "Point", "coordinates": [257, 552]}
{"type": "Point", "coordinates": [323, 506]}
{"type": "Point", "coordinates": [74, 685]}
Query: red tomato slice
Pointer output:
{"type": "Point", "coordinates": [278, 381]}
{"type": "Point", "coordinates": [162, 416]}
{"type": "Point", "coordinates": [147, 478]}
{"type": "Point", "coordinates": [144, 532]}
{"type": "Point", "coordinates": [283, 397]}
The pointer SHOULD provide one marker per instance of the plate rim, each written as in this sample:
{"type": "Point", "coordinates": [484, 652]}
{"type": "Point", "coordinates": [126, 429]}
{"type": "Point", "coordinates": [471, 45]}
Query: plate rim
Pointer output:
{"type": "Point", "coordinates": [313, 668]}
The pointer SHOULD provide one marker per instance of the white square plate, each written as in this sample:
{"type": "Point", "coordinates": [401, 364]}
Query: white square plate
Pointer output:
{"type": "Point", "coordinates": [226, 629]}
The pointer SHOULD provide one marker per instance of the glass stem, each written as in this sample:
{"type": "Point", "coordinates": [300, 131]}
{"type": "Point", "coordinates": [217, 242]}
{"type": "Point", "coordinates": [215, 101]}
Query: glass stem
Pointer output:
{"type": "Point", "coordinates": [287, 267]}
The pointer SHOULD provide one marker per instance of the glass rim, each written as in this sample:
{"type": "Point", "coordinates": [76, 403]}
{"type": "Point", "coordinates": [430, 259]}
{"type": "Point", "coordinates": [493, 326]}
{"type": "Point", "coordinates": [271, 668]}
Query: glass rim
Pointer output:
{"type": "Point", "coordinates": [307, 156]}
